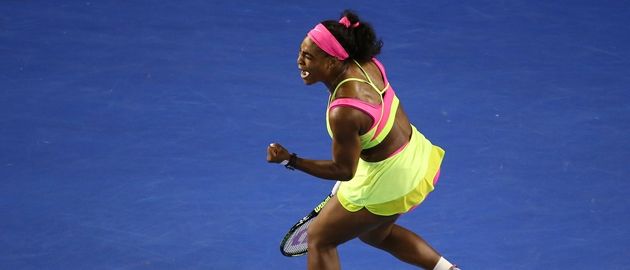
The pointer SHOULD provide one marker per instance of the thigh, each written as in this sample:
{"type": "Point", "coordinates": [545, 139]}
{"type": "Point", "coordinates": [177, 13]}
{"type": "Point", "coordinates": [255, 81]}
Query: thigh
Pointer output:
{"type": "Point", "coordinates": [377, 235]}
{"type": "Point", "coordinates": [336, 225]}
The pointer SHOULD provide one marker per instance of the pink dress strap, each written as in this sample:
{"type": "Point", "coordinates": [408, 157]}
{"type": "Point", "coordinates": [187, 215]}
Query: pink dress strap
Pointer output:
{"type": "Point", "coordinates": [381, 68]}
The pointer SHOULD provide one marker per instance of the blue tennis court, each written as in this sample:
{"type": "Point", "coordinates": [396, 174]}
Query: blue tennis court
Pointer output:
{"type": "Point", "coordinates": [133, 134]}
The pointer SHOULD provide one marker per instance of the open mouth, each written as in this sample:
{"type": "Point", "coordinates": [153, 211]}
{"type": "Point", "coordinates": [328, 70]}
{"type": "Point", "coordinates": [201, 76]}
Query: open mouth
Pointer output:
{"type": "Point", "coordinates": [303, 73]}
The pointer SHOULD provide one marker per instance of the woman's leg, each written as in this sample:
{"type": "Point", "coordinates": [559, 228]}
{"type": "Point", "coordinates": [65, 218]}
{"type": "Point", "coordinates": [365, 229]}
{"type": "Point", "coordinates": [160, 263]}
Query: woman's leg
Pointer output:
{"type": "Point", "coordinates": [336, 225]}
{"type": "Point", "coordinates": [403, 244]}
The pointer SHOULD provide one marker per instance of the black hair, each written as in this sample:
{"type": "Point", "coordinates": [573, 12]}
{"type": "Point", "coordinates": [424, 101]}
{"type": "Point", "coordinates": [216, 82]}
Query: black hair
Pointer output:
{"type": "Point", "coordinates": [360, 42]}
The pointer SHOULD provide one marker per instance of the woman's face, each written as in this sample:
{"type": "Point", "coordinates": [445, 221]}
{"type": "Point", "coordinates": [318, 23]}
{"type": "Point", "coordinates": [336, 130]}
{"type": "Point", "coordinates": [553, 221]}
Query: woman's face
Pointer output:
{"type": "Point", "coordinates": [312, 62]}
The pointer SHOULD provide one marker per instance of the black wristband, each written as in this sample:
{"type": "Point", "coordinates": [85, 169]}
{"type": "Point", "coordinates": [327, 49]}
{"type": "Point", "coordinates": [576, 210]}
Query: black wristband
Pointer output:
{"type": "Point", "coordinates": [291, 164]}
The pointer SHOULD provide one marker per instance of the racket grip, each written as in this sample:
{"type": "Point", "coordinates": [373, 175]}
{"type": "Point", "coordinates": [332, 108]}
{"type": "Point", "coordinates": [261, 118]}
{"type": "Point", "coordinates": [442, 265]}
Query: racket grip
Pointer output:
{"type": "Point", "coordinates": [335, 188]}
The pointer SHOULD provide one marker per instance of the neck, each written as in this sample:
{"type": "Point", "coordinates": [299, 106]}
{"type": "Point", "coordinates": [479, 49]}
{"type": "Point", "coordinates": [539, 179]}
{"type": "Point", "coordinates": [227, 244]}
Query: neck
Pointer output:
{"type": "Point", "coordinates": [332, 84]}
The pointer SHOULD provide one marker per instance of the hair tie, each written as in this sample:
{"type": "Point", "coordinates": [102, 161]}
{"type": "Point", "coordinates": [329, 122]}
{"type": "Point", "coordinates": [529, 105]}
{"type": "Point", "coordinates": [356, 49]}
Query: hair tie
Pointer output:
{"type": "Point", "coordinates": [346, 22]}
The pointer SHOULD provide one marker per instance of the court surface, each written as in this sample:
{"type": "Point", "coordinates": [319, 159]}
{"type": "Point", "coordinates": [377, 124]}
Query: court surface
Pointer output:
{"type": "Point", "coordinates": [133, 133]}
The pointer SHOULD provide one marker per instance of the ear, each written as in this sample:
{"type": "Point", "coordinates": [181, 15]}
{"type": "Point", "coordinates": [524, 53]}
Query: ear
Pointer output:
{"type": "Point", "coordinates": [329, 62]}
{"type": "Point", "coordinates": [332, 63]}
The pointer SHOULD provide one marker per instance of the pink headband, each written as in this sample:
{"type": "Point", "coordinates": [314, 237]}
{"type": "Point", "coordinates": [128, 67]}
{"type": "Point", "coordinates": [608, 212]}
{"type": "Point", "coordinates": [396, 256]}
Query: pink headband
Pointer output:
{"type": "Point", "coordinates": [327, 42]}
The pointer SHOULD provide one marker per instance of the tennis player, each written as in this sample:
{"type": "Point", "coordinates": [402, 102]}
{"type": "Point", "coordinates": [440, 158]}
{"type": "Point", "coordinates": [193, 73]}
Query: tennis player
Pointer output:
{"type": "Point", "coordinates": [386, 165]}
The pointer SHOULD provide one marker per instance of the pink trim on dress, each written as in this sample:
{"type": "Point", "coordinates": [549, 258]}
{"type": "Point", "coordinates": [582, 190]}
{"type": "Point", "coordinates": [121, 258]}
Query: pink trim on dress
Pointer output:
{"type": "Point", "coordinates": [381, 69]}
{"type": "Point", "coordinates": [398, 150]}
{"type": "Point", "coordinates": [387, 103]}
{"type": "Point", "coordinates": [388, 97]}
{"type": "Point", "coordinates": [436, 178]}
{"type": "Point", "coordinates": [373, 110]}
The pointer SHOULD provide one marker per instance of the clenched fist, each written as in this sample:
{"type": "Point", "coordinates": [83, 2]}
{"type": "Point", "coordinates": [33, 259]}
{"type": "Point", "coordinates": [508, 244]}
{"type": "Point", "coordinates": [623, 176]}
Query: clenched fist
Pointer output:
{"type": "Point", "coordinates": [276, 153]}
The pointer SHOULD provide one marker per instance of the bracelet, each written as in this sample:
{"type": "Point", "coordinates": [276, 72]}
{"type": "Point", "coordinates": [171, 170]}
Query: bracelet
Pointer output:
{"type": "Point", "coordinates": [290, 164]}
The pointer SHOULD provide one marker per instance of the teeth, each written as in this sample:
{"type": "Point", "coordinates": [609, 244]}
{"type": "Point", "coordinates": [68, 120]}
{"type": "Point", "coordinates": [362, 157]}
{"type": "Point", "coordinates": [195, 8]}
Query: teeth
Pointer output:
{"type": "Point", "coordinates": [304, 74]}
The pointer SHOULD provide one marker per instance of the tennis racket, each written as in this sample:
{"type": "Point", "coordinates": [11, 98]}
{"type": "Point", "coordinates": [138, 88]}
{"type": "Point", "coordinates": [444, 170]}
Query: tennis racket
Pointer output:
{"type": "Point", "coordinates": [294, 242]}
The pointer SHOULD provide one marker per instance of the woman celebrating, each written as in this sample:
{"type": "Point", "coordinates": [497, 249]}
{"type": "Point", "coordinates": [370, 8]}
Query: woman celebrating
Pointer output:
{"type": "Point", "coordinates": [386, 166]}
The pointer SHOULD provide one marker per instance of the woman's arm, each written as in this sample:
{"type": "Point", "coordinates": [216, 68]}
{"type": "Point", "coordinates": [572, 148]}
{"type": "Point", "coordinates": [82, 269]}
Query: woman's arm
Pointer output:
{"type": "Point", "coordinates": [346, 148]}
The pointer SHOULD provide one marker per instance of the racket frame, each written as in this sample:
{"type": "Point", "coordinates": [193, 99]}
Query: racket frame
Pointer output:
{"type": "Point", "coordinates": [305, 219]}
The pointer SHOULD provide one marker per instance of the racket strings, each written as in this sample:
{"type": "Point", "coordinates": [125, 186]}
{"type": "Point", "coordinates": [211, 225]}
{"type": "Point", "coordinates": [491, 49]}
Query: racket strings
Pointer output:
{"type": "Point", "coordinates": [296, 243]}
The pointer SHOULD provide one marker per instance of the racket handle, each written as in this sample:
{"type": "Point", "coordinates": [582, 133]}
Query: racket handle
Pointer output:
{"type": "Point", "coordinates": [335, 188]}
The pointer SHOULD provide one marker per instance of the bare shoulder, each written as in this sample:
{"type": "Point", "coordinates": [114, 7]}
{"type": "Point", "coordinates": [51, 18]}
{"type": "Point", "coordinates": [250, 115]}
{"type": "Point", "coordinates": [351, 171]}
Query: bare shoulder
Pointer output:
{"type": "Point", "coordinates": [349, 89]}
{"type": "Point", "coordinates": [348, 120]}
{"type": "Point", "coordinates": [358, 90]}
{"type": "Point", "coordinates": [344, 116]}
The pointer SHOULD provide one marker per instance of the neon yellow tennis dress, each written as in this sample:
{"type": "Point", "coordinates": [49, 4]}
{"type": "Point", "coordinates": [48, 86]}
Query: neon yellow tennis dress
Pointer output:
{"type": "Point", "coordinates": [401, 181]}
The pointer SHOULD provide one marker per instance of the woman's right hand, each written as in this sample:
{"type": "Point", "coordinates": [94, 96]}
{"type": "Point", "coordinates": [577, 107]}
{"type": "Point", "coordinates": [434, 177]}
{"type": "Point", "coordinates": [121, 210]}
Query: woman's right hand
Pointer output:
{"type": "Point", "coordinates": [276, 153]}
